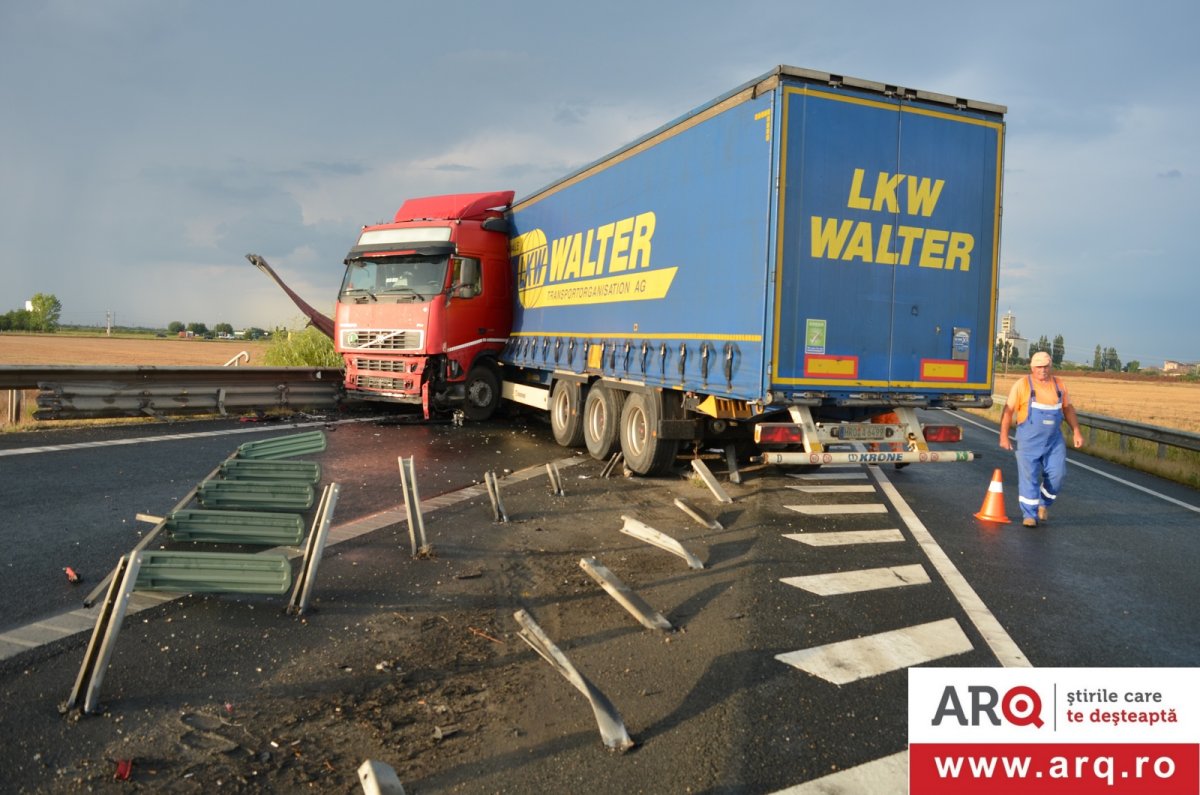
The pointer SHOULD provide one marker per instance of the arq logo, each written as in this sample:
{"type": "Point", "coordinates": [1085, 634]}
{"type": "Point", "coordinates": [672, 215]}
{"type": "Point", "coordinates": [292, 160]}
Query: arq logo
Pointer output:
{"type": "Point", "coordinates": [1020, 706]}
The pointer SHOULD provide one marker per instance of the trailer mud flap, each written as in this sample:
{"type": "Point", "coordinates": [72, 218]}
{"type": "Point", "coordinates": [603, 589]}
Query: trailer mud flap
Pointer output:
{"type": "Point", "coordinates": [679, 429]}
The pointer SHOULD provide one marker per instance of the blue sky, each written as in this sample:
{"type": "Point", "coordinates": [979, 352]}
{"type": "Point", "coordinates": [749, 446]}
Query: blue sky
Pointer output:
{"type": "Point", "coordinates": [147, 145]}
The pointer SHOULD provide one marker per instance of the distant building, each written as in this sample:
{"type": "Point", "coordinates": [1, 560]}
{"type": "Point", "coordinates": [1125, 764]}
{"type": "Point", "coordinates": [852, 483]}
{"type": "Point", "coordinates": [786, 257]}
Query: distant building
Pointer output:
{"type": "Point", "coordinates": [1008, 333]}
{"type": "Point", "coordinates": [1172, 367]}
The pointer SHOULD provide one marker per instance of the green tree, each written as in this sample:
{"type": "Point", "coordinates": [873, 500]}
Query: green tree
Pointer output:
{"type": "Point", "coordinates": [1111, 360]}
{"type": "Point", "coordinates": [199, 329]}
{"type": "Point", "coordinates": [223, 328]}
{"type": "Point", "coordinates": [17, 320]}
{"type": "Point", "coordinates": [1098, 359]}
{"type": "Point", "coordinates": [1059, 349]}
{"type": "Point", "coordinates": [174, 327]}
{"type": "Point", "coordinates": [1132, 366]}
{"type": "Point", "coordinates": [47, 309]}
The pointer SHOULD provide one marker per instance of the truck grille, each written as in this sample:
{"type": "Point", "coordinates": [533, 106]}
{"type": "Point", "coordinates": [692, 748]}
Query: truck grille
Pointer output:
{"type": "Point", "coordinates": [379, 382]}
{"type": "Point", "coordinates": [384, 339]}
{"type": "Point", "coordinates": [385, 365]}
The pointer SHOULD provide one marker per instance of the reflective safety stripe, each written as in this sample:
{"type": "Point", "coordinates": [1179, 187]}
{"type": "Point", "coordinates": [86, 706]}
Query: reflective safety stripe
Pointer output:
{"type": "Point", "coordinates": [1046, 406]}
{"type": "Point", "coordinates": [1028, 501]}
{"type": "Point", "coordinates": [1051, 497]}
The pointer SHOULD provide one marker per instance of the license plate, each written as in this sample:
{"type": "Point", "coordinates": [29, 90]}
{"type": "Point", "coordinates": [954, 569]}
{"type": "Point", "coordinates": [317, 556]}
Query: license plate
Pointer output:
{"type": "Point", "coordinates": [862, 432]}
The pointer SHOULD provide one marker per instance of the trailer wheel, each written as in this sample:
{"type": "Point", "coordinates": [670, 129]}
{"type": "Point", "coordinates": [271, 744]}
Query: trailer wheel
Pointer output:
{"type": "Point", "coordinates": [645, 453]}
{"type": "Point", "coordinates": [483, 392]}
{"type": "Point", "coordinates": [566, 419]}
{"type": "Point", "coordinates": [602, 420]}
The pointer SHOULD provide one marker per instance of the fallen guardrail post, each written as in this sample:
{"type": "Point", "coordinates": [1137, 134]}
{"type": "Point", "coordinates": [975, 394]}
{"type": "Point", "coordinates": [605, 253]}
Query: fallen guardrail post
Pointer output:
{"type": "Point", "coordinates": [301, 594]}
{"type": "Point", "coordinates": [634, 604]}
{"type": "Point", "coordinates": [706, 475]}
{"type": "Point", "coordinates": [493, 487]}
{"type": "Point", "coordinates": [412, 507]}
{"type": "Point", "coordinates": [697, 514]}
{"type": "Point", "coordinates": [556, 486]}
{"type": "Point", "coordinates": [612, 727]}
{"type": "Point", "coordinates": [379, 778]}
{"type": "Point", "coordinates": [644, 532]}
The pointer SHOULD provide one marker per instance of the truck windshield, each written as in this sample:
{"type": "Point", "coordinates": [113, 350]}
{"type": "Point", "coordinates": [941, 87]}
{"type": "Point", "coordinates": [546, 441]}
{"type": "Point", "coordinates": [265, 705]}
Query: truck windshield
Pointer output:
{"type": "Point", "coordinates": [396, 278]}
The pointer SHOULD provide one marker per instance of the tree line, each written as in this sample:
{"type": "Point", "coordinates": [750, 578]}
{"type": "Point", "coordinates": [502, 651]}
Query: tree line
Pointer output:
{"type": "Point", "coordinates": [43, 315]}
{"type": "Point", "coordinates": [1105, 359]}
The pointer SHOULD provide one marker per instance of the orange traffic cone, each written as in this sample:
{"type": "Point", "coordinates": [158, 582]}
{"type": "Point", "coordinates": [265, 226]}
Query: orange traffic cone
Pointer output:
{"type": "Point", "coordinates": [993, 502]}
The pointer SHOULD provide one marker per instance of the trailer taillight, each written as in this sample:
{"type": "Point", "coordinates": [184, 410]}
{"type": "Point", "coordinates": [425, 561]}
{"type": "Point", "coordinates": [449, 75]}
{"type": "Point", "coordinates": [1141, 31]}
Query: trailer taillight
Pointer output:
{"type": "Point", "coordinates": [942, 433]}
{"type": "Point", "coordinates": [778, 433]}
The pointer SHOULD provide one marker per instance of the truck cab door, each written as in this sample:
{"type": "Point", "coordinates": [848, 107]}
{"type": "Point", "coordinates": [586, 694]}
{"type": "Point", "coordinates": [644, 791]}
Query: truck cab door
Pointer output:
{"type": "Point", "coordinates": [476, 307]}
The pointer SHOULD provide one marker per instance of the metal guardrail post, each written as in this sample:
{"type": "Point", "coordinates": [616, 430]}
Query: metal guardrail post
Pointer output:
{"type": "Point", "coordinates": [644, 532]}
{"type": "Point", "coordinates": [412, 507]}
{"type": "Point", "coordinates": [302, 593]}
{"type": "Point", "coordinates": [493, 489]}
{"type": "Point", "coordinates": [706, 475]}
{"type": "Point", "coordinates": [556, 486]}
{"type": "Point", "coordinates": [86, 691]}
{"type": "Point", "coordinates": [611, 466]}
{"type": "Point", "coordinates": [646, 615]}
{"type": "Point", "coordinates": [612, 727]}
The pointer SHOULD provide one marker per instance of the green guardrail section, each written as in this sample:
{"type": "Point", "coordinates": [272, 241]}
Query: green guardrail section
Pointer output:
{"type": "Point", "coordinates": [271, 469]}
{"type": "Point", "coordinates": [236, 527]}
{"type": "Point", "coordinates": [284, 446]}
{"type": "Point", "coordinates": [214, 572]}
{"type": "Point", "coordinates": [255, 495]}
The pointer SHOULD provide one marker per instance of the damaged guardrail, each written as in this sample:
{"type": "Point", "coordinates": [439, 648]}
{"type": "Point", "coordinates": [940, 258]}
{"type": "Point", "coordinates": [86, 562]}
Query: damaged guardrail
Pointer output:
{"type": "Point", "coordinates": [84, 392]}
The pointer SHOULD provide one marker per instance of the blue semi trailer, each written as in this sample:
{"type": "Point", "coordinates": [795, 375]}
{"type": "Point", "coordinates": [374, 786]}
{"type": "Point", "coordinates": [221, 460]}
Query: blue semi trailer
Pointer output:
{"type": "Point", "coordinates": [789, 271]}
{"type": "Point", "coordinates": [796, 265]}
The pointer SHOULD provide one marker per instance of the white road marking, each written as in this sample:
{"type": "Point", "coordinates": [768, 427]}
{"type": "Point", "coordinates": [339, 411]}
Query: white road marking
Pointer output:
{"type": "Point", "coordinates": [886, 776]}
{"type": "Point", "coordinates": [997, 639]}
{"type": "Point", "coordinates": [831, 476]}
{"type": "Point", "coordinates": [846, 538]}
{"type": "Point", "coordinates": [844, 582]}
{"type": "Point", "coordinates": [834, 489]}
{"type": "Point", "coordinates": [838, 510]}
{"type": "Point", "coordinates": [850, 660]}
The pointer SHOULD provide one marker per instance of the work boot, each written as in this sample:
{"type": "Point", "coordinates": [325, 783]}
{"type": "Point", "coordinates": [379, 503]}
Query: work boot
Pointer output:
{"type": "Point", "coordinates": [1028, 522]}
{"type": "Point", "coordinates": [1043, 514]}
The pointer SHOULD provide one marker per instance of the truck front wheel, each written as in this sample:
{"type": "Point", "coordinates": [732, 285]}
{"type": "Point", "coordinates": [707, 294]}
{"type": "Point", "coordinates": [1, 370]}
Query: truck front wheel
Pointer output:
{"type": "Point", "coordinates": [645, 452]}
{"type": "Point", "coordinates": [602, 420]}
{"type": "Point", "coordinates": [566, 420]}
{"type": "Point", "coordinates": [483, 393]}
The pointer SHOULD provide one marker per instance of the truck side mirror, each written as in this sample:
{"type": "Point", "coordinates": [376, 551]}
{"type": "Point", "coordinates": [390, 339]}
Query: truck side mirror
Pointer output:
{"type": "Point", "coordinates": [467, 283]}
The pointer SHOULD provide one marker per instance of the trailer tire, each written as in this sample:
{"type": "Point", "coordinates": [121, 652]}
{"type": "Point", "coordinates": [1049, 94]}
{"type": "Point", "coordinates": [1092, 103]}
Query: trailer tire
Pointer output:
{"type": "Point", "coordinates": [566, 418]}
{"type": "Point", "coordinates": [645, 453]}
{"type": "Point", "coordinates": [482, 392]}
{"type": "Point", "coordinates": [602, 420]}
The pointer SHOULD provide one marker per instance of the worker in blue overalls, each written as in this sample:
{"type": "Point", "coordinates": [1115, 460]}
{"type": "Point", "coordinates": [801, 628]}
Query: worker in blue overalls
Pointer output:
{"type": "Point", "coordinates": [1039, 403]}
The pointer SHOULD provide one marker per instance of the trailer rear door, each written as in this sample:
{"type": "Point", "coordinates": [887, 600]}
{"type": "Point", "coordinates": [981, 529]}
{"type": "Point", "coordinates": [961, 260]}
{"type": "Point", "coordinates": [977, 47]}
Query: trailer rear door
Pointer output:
{"type": "Point", "coordinates": [888, 243]}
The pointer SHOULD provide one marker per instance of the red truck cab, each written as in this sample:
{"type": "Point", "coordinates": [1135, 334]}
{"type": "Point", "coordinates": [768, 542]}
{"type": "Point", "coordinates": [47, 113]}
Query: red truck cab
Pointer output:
{"type": "Point", "coordinates": [426, 305]}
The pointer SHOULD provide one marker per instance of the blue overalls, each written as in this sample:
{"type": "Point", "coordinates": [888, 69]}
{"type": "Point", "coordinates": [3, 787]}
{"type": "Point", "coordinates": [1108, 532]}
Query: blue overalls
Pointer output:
{"type": "Point", "coordinates": [1041, 453]}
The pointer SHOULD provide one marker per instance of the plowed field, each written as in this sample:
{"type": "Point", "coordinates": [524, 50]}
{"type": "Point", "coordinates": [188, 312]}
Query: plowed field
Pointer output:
{"type": "Point", "coordinates": [64, 349]}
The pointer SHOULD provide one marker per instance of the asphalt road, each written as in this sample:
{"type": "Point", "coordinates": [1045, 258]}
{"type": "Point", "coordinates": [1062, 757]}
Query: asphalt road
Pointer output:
{"type": "Point", "coordinates": [1111, 581]}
